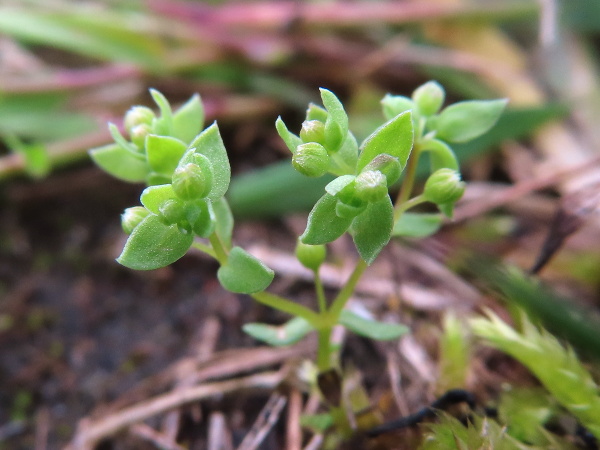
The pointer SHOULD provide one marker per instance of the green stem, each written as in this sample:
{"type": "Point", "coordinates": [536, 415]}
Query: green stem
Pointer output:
{"type": "Point", "coordinates": [342, 298]}
{"type": "Point", "coordinates": [288, 306]}
{"type": "Point", "coordinates": [204, 248]}
{"type": "Point", "coordinates": [407, 183]}
{"type": "Point", "coordinates": [219, 249]}
{"type": "Point", "coordinates": [410, 204]}
{"type": "Point", "coordinates": [322, 301]}
{"type": "Point", "coordinates": [324, 349]}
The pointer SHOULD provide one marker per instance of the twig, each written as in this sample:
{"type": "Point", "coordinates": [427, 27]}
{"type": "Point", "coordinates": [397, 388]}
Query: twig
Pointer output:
{"type": "Point", "coordinates": [158, 439]}
{"type": "Point", "coordinates": [293, 438]}
{"type": "Point", "coordinates": [90, 432]}
{"type": "Point", "coordinates": [219, 437]}
{"type": "Point", "coordinates": [267, 418]}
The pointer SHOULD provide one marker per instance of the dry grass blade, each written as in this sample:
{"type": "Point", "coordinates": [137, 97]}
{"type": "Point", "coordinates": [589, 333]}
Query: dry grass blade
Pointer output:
{"type": "Point", "coordinates": [267, 418]}
{"type": "Point", "coordinates": [91, 432]}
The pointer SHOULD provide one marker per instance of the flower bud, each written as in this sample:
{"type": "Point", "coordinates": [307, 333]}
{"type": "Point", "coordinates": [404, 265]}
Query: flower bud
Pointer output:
{"type": "Point", "coordinates": [311, 159]}
{"type": "Point", "coordinates": [444, 186]}
{"type": "Point", "coordinates": [370, 186]}
{"type": "Point", "coordinates": [312, 131]}
{"type": "Point", "coordinates": [191, 181]}
{"type": "Point", "coordinates": [388, 165]}
{"type": "Point", "coordinates": [132, 217]}
{"type": "Point", "coordinates": [138, 115]}
{"type": "Point", "coordinates": [138, 135]}
{"type": "Point", "coordinates": [171, 211]}
{"type": "Point", "coordinates": [310, 256]}
{"type": "Point", "coordinates": [429, 98]}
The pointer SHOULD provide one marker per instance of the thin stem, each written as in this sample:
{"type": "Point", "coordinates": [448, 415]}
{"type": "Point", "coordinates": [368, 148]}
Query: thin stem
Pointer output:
{"type": "Point", "coordinates": [410, 204]}
{"type": "Point", "coordinates": [219, 249]}
{"type": "Point", "coordinates": [324, 349]}
{"type": "Point", "coordinates": [407, 183]}
{"type": "Point", "coordinates": [342, 298]}
{"type": "Point", "coordinates": [322, 301]}
{"type": "Point", "coordinates": [204, 248]}
{"type": "Point", "coordinates": [288, 306]}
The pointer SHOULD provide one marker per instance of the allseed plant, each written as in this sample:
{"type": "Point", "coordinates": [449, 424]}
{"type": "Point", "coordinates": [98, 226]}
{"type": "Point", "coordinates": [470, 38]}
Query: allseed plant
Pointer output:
{"type": "Point", "coordinates": [187, 172]}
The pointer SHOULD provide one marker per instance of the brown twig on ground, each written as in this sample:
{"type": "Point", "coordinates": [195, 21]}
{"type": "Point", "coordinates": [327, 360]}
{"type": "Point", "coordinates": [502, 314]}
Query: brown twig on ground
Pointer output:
{"type": "Point", "coordinates": [293, 438]}
{"type": "Point", "coordinates": [90, 432]}
{"type": "Point", "coordinates": [158, 439]}
{"type": "Point", "coordinates": [219, 437]}
{"type": "Point", "coordinates": [267, 418]}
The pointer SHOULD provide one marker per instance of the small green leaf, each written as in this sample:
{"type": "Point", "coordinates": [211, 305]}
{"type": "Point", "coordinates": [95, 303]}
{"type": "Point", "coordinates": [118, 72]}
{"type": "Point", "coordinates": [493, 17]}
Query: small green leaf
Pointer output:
{"type": "Point", "coordinates": [372, 329]}
{"type": "Point", "coordinates": [394, 137]}
{"type": "Point", "coordinates": [335, 186]}
{"type": "Point", "coordinates": [291, 140]}
{"type": "Point", "coordinates": [37, 159]}
{"type": "Point", "coordinates": [323, 223]}
{"type": "Point", "coordinates": [417, 225]}
{"type": "Point", "coordinates": [336, 125]}
{"type": "Point", "coordinates": [278, 336]}
{"type": "Point", "coordinates": [120, 163]}
{"type": "Point", "coordinates": [210, 144]}
{"type": "Point", "coordinates": [164, 124]}
{"type": "Point", "coordinates": [372, 228]}
{"type": "Point", "coordinates": [154, 196]}
{"type": "Point", "coordinates": [224, 220]}
{"type": "Point", "coordinates": [243, 273]}
{"type": "Point", "coordinates": [393, 105]}
{"type": "Point", "coordinates": [467, 120]}
{"type": "Point", "coordinates": [188, 120]}
{"type": "Point", "coordinates": [152, 245]}
{"type": "Point", "coordinates": [164, 153]}
{"type": "Point", "coordinates": [120, 140]}
{"type": "Point", "coordinates": [343, 161]}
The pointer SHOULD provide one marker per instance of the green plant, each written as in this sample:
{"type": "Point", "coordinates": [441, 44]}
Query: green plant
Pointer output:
{"type": "Point", "coordinates": [187, 172]}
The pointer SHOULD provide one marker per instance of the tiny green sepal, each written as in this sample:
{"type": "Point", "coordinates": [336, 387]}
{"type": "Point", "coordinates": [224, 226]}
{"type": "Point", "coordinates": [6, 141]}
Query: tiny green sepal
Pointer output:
{"type": "Point", "coordinates": [210, 144]}
{"type": "Point", "coordinates": [188, 120]}
{"type": "Point", "coordinates": [279, 336]}
{"type": "Point", "coordinates": [464, 121]}
{"type": "Point", "coordinates": [162, 125]}
{"type": "Point", "coordinates": [388, 166]}
{"type": "Point", "coordinates": [372, 229]}
{"type": "Point", "coordinates": [336, 125]}
{"type": "Point", "coordinates": [120, 163]}
{"type": "Point", "coordinates": [244, 273]}
{"type": "Point", "coordinates": [373, 329]}
{"type": "Point", "coordinates": [290, 139]}
{"type": "Point", "coordinates": [394, 138]}
{"type": "Point", "coordinates": [324, 225]}
{"type": "Point", "coordinates": [152, 245]}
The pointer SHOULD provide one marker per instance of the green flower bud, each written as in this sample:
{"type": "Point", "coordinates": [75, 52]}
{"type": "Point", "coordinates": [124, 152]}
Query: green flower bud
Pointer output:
{"type": "Point", "coordinates": [393, 105]}
{"type": "Point", "coordinates": [313, 131]}
{"type": "Point", "coordinates": [138, 115]}
{"type": "Point", "coordinates": [191, 181]}
{"type": "Point", "coordinates": [132, 217]}
{"type": "Point", "coordinates": [138, 135]}
{"type": "Point", "coordinates": [429, 98]}
{"type": "Point", "coordinates": [444, 186]}
{"type": "Point", "coordinates": [388, 165]}
{"type": "Point", "coordinates": [370, 186]}
{"type": "Point", "coordinates": [311, 159]}
{"type": "Point", "coordinates": [310, 256]}
{"type": "Point", "coordinates": [172, 211]}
